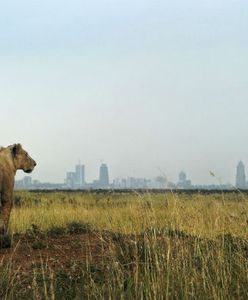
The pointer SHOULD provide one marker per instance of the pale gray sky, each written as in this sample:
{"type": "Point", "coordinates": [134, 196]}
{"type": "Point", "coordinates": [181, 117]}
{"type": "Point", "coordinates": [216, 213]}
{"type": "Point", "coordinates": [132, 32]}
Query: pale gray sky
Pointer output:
{"type": "Point", "coordinates": [141, 85]}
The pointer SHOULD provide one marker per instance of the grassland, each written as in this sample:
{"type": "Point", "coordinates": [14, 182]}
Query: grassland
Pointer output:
{"type": "Point", "coordinates": [126, 246]}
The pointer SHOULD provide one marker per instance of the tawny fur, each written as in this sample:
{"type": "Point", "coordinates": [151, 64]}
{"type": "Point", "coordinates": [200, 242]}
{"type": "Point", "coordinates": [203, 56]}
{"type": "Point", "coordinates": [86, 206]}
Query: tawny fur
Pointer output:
{"type": "Point", "coordinates": [12, 158]}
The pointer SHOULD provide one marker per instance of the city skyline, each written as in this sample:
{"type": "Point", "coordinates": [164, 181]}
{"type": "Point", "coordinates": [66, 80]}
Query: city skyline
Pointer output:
{"type": "Point", "coordinates": [76, 180]}
{"type": "Point", "coordinates": [92, 174]}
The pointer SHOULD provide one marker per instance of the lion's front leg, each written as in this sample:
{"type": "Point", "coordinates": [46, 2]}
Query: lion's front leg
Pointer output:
{"type": "Point", "coordinates": [1, 216]}
{"type": "Point", "coordinates": [6, 205]}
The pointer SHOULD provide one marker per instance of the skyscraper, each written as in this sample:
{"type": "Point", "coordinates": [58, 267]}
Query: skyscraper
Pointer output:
{"type": "Point", "coordinates": [183, 182]}
{"type": "Point", "coordinates": [103, 176]}
{"type": "Point", "coordinates": [240, 176]}
{"type": "Point", "coordinates": [70, 180]}
{"type": "Point", "coordinates": [79, 176]}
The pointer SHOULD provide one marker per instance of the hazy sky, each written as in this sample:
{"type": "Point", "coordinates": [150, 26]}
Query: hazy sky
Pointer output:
{"type": "Point", "coordinates": [141, 85]}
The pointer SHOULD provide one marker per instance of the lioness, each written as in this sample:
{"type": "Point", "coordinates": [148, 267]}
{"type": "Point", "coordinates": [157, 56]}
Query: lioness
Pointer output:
{"type": "Point", "coordinates": [12, 158]}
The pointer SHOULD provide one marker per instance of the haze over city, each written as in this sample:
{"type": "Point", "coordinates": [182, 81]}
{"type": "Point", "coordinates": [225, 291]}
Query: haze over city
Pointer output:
{"type": "Point", "coordinates": [107, 81]}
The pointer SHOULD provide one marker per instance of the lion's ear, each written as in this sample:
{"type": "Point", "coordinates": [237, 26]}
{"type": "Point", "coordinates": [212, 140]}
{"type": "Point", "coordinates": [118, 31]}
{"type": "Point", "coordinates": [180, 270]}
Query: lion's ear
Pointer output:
{"type": "Point", "coordinates": [16, 148]}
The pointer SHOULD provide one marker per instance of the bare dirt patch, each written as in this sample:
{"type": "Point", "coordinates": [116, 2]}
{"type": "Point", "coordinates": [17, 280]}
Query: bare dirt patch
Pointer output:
{"type": "Point", "coordinates": [26, 253]}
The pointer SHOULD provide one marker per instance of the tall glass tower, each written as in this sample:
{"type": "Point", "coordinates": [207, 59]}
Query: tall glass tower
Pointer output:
{"type": "Point", "coordinates": [80, 176]}
{"type": "Point", "coordinates": [103, 176]}
{"type": "Point", "coordinates": [240, 176]}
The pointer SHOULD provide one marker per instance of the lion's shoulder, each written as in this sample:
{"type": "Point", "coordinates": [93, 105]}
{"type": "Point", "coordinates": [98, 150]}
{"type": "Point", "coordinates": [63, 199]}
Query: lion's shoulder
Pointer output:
{"type": "Point", "coordinates": [4, 154]}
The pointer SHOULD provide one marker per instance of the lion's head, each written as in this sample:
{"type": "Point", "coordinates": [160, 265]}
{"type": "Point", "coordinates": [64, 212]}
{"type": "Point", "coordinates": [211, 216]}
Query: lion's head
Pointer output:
{"type": "Point", "coordinates": [21, 159]}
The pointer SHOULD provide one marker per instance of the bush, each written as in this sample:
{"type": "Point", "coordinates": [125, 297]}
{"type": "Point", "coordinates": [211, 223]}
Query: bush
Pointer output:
{"type": "Point", "coordinates": [78, 228]}
{"type": "Point", "coordinates": [5, 241]}
{"type": "Point", "coordinates": [56, 231]}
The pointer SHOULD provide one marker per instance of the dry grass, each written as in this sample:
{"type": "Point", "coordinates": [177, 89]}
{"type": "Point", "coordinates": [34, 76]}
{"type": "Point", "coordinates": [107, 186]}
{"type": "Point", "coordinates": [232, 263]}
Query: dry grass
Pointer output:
{"type": "Point", "coordinates": [205, 216]}
{"type": "Point", "coordinates": [164, 246]}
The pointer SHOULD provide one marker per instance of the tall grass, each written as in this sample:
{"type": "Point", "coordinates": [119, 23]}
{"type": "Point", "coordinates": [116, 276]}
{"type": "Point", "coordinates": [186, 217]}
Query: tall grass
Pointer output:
{"type": "Point", "coordinates": [165, 246]}
{"type": "Point", "coordinates": [199, 215]}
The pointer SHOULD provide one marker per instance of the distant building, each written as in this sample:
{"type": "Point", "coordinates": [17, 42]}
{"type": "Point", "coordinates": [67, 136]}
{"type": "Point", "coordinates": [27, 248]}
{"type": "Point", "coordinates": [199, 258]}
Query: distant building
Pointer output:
{"type": "Point", "coordinates": [183, 182]}
{"type": "Point", "coordinates": [79, 176]}
{"type": "Point", "coordinates": [76, 180]}
{"type": "Point", "coordinates": [103, 177]}
{"type": "Point", "coordinates": [24, 184]}
{"type": "Point", "coordinates": [182, 177]}
{"type": "Point", "coordinates": [70, 180]}
{"type": "Point", "coordinates": [27, 182]}
{"type": "Point", "coordinates": [240, 176]}
{"type": "Point", "coordinates": [36, 183]}
{"type": "Point", "coordinates": [161, 182]}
